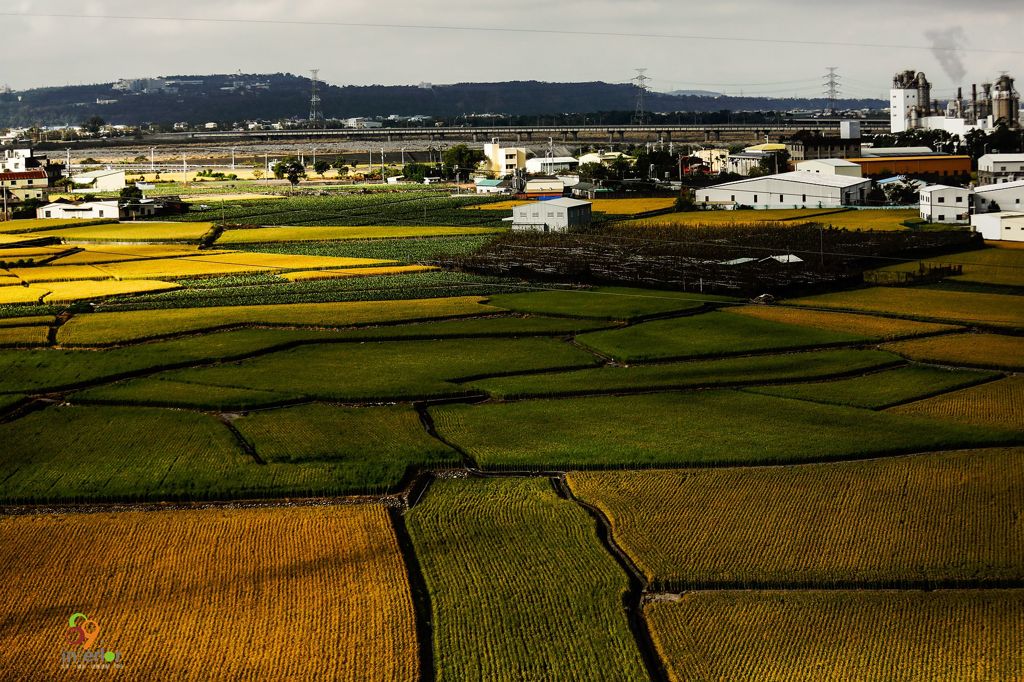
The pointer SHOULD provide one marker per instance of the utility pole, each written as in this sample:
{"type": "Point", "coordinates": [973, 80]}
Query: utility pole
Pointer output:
{"type": "Point", "coordinates": [831, 88]}
{"type": "Point", "coordinates": [316, 116]}
{"type": "Point", "coordinates": [232, 158]}
{"type": "Point", "coordinates": [640, 116]}
{"type": "Point", "coordinates": [184, 170]}
{"type": "Point", "coordinates": [152, 159]}
{"type": "Point", "coordinates": [266, 166]}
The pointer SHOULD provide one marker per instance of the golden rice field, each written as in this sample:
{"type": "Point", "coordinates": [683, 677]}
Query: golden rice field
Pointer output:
{"type": "Point", "coordinates": [8, 280]}
{"type": "Point", "coordinates": [861, 325]}
{"type": "Point", "coordinates": [772, 217]}
{"type": "Point", "coordinates": [58, 273]}
{"type": "Point", "coordinates": [880, 219]}
{"type": "Point", "coordinates": [837, 635]}
{"type": "Point", "coordinates": [286, 261]}
{"type": "Point", "coordinates": [32, 253]}
{"type": "Point", "coordinates": [997, 403]}
{"type": "Point", "coordinates": [306, 275]}
{"type": "Point", "coordinates": [27, 321]}
{"type": "Point", "coordinates": [31, 224]}
{"type": "Point", "coordinates": [971, 350]}
{"type": "Point", "coordinates": [208, 265]}
{"type": "Point", "coordinates": [35, 335]}
{"type": "Point", "coordinates": [999, 266]}
{"type": "Point", "coordinates": [109, 328]}
{"type": "Point", "coordinates": [18, 295]}
{"type": "Point", "coordinates": [920, 519]}
{"type": "Point", "coordinates": [68, 292]}
{"type": "Point", "coordinates": [998, 310]}
{"type": "Point", "coordinates": [130, 232]}
{"type": "Point", "coordinates": [335, 233]}
{"type": "Point", "coordinates": [108, 253]}
{"type": "Point", "coordinates": [304, 592]}
{"type": "Point", "coordinates": [170, 268]}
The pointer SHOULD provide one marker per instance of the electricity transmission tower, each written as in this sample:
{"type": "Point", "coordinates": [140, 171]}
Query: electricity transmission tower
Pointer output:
{"type": "Point", "coordinates": [831, 88]}
{"type": "Point", "coordinates": [316, 116]}
{"type": "Point", "coordinates": [640, 116]}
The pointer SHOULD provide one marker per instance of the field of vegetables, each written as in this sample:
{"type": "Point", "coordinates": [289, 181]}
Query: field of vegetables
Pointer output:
{"type": "Point", "coordinates": [338, 570]}
{"type": "Point", "coordinates": [520, 587]}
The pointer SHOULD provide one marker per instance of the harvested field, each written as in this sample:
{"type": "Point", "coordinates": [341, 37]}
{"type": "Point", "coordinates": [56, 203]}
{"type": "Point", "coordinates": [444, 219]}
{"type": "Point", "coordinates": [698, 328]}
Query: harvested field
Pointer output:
{"type": "Point", "coordinates": [930, 519]}
{"type": "Point", "coordinates": [337, 569]}
{"type": "Point", "coordinates": [974, 350]}
{"type": "Point", "coordinates": [816, 636]}
{"type": "Point", "coordinates": [519, 585]}
{"type": "Point", "coordinates": [333, 233]}
{"type": "Point", "coordinates": [880, 328]}
{"type": "Point", "coordinates": [997, 404]}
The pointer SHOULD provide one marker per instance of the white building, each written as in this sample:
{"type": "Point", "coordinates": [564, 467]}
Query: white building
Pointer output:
{"type": "Point", "coordinates": [605, 158]}
{"type": "Point", "coordinates": [503, 161]}
{"type": "Point", "coordinates": [996, 168]}
{"type": "Point", "coordinates": [830, 167]}
{"type": "Point", "coordinates": [554, 215]}
{"type": "Point", "coordinates": [796, 189]}
{"type": "Point", "coordinates": [1002, 226]}
{"type": "Point", "coordinates": [1003, 196]}
{"type": "Point", "coordinates": [29, 185]}
{"type": "Point", "coordinates": [550, 165]}
{"type": "Point", "coordinates": [945, 204]}
{"type": "Point", "coordinates": [15, 160]}
{"type": "Point", "coordinates": [99, 181]}
{"type": "Point", "coordinates": [80, 210]}
{"type": "Point", "coordinates": [487, 186]}
{"type": "Point", "coordinates": [544, 186]}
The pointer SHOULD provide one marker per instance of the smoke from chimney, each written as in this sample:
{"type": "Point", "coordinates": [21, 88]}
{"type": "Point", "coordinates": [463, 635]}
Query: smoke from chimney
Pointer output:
{"type": "Point", "coordinates": [945, 46]}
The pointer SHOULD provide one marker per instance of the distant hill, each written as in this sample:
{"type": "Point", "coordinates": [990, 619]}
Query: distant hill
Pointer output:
{"type": "Point", "coordinates": [238, 97]}
{"type": "Point", "coordinates": [693, 93]}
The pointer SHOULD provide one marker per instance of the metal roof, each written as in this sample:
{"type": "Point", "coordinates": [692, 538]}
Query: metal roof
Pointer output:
{"type": "Point", "coordinates": [801, 177]}
{"type": "Point", "coordinates": [566, 202]}
{"type": "Point", "coordinates": [999, 185]}
{"type": "Point", "coordinates": [932, 188]}
{"type": "Point", "coordinates": [830, 162]}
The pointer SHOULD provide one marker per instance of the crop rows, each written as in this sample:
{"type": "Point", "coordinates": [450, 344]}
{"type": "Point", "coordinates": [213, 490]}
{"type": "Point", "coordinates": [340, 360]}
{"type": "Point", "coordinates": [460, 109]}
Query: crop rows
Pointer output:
{"type": "Point", "coordinates": [974, 350]}
{"type": "Point", "coordinates": [996, 404]}
{"type": "Point", "coordinates": [877, 328]}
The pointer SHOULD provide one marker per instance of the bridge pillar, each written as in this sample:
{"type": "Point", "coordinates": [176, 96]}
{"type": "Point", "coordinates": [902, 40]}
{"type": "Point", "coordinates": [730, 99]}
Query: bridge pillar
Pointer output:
{"type": "Point", "coordinates": [622, 135]}
{"type": "Point", "coordinates": [575, 134]}
{"type": "Point", "coordinates": [718, 135]}
{"type": "Point", "coordinates": [476, 137]}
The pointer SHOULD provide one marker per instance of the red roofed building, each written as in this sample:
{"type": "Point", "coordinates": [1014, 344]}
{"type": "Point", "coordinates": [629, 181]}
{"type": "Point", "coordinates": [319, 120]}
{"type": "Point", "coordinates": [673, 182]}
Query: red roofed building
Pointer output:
{"type": "Point", "coordinates": [21, 186]}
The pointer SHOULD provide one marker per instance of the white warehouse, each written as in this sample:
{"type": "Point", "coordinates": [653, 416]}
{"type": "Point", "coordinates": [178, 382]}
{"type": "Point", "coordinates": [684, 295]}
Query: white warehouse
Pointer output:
{"type": "Point", "coordinates": [830, 167]}
{"type": "Point", "coordinates": [994, 169]}
{"type": "Point", "coordinates": [796, 189]}
{"type": "Point", "coordinates": [1003, 196]}
{"type": "Point", "coordinates": [554, 215]}
{"type": "Point", "coordinates": [945, 204]}
{"type": "Point", "coordinates": [1003, 226]}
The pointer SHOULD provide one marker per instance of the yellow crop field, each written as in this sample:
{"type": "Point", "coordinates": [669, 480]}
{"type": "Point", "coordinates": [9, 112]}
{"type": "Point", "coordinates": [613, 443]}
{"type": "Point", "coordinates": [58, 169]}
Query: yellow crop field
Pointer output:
{"type": "Point", "coordinates": [335, 233]}
{"type": "Point", "coordinates": [7, 280]}
{"type": "Point", "coordinates": [997, 403]}
{"type": "Point", "coordinates": [998, 266]}
{"type": "Point", "coordinates": [850, 323]}
{"type": "Point", "coordinates": [32, 224]}
{"type": "Point", "coordinates": [32, 253]}
{"type": "Point", "coordinates": [107, 328]}
{"type": "Point", "coordinates": [973, 350]}
{"type": "Point", "coordinates": [305, 592]}
{"type": "Point", "coordinates": [67, 292]}
{"type": "Point", "coordinates": [924, 519]}
{"type": "Point", "coordinates": [58, 273]}
{"type": "Point", "coordinates": [840, 635]}
{"type": "Point", "coordinates": [22, 295]}
{"type": "Point", "coordinates": [745, 217]}
{"type": "Point", "coordinates": [132, 232]}
{"type": "Point", "coordinates": [109, 253]}
{"type": "Point", "coordinates": [286, 261]}
{"type": "Point", "coordinates": [880, 219]}
{"type": "Point", "coordinates": [171, 268]}
{"type": "Point", "coordinates": [956, 306]}
{"type": "Point", "coordinates": [24, 336]}
{"type": "Point", "coordinates": [28, 321]}
{"type": "Point", "coordinates": [305, 275]}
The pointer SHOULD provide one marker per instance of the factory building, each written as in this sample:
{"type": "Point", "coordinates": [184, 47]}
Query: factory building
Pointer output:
{"type": "Point", "coordinates": [1004, 226]}
{"type": "Point", "coordinates": [830, 167]}
{"type": "Point", "coordinates": [911, 106]}
{"type": "Point", "coordinates": [930, 165]}
{"type": "Point", "coordinates": [1004, 196]}
{"type": "Point", "coordinates": [997, 168]}
{"type": "Point", "coordinates": [796, 189]}
{"type": "Point", "coordinates": [945, 204]}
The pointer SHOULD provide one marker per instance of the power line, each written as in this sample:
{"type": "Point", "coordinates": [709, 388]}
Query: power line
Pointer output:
{"type": "Point", "coordinates": [832, 88]}
{"type": "Point", "coordinates": [316, 117]}
{"type": "Point", "coordinates": [639, 116]}
{"type": "Point", "coordinates": [494, 29]}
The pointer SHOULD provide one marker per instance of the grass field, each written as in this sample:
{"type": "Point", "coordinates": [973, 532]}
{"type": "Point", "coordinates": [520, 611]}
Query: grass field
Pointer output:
{"type": "Point", "coordinates": [131, 232]}
{"type": "Point", "coordinates": [519, 585]}
{"type": "Point", "coordinates": [996, 404]}
{"type": "Point", "coordinates": [997, 266]}
{"type": "Point", "coordinates": [883, 389]}
{"type": "Point", "coordinates": [974, 350]}
{"type": "Point", "coordinates": [825, 636]}
{"type": "Point", "coordinates": [701, 428]}
{"type": "Point", "coordinates": [306, 275]}
{"type": "Point", "coordinates": [608, 303]}
{"type": "Point", "coordinates": [334, 233]}
{"type": "Point", "coordinates": [997, 310]}
{"type": "Point", "coordinates": [880, 328]}
{"type": "Point", "coordinates": [791, 366]}
{"type": "Point", "coordinates": [711, 334]}
{"type": "Point", "coordinates": [902, 521]}
{"type": "Point", "coordinates": [397, 370]}
{"type": "Point", "coordinates": [120, 327]}
{"type": "Point", "coordinates": [331, 577]}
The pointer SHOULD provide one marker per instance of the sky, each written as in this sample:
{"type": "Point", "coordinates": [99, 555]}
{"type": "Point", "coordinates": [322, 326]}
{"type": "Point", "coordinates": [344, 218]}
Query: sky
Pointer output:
{"type": "Point", "coordinates": [709, 45]}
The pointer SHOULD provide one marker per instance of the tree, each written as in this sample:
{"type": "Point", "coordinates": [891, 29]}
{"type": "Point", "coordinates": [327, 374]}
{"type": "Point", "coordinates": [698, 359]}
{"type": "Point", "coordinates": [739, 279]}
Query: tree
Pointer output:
{"type": "Point", "coordinates": [295, 171]}
{"type": "Point", "coordinates": [592, 171]}
{"type": "Point", "coordinates": [461, 158]}
{"type": "Point", "coordinates": [901, 193]}
{"type": "Point", "coordinates": [257, 172]}
{"type": "Point", "coordinates": [414, 172]}
{"type": "Point", "coordinates": [321, 167]}
{"type": "Point", "coordinates": [131, 193]}
{"type": "Point", "coordinates": [93, 124]}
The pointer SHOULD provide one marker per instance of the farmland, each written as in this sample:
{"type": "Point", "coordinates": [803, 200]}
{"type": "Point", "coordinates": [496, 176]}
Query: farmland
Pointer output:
{"type": "Point", "coordinates": [996, 266]}
{"type": "Point", "coordinates": [554, 597]}
{"type": "Point", "coordinates": [880, 328]}
{"type": "Point", "coordinates": [616, 207]}
{"type": "Point", "coordinates": [943, 518]}
{"type": "Point", "coordinates": [974, 350]}
{"type": "Point", "coordinates": [698, 428]}
{"type": "Point", "coordinates": [327, 233]}
{"type": "Point", "coordinates": [611, 303]}
{"type": "Point", "coordinates": [338, 569]}
{"type": "Point", "coordinates": [302, 275]}
{"type": "Point", "coordinates": [996, 404]}
{"type": "Point", "coordinates": [131, 232]}
{"type": "Point", "coordinates": [835, 635]}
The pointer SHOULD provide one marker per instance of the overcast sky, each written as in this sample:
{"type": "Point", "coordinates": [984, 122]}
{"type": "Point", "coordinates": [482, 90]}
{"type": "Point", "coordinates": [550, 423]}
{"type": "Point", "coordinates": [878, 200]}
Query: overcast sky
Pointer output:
{"type": "Point", "coordinates": [58, 51]}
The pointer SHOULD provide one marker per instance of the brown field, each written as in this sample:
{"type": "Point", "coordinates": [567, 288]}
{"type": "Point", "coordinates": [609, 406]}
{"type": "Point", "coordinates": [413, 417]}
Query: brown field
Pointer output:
{"type": "Point", "coordinates": [997, 403]}
{"type": "Point", "coordinates": [970, 350]}
{"type": "Point", "coordinates": [866, 325]}
{"type": "Point", "coordinates": [998, 310]}
{"type": "Point", "coordinates": [293, 593]}
{"type": "Point", "coordinates": [823, 636]}
{"type": "Point", "coordinates": [919, 519]}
